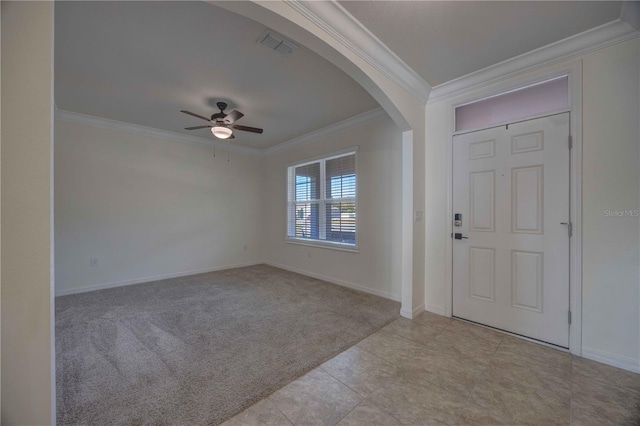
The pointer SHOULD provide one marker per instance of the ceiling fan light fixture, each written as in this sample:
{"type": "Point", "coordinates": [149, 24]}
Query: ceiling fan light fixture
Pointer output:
{"type": "Point", "coordinates": [221, 132]}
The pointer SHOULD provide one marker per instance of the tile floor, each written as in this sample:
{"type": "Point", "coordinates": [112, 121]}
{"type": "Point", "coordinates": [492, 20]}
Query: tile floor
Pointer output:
{"type": "Point", "coordinates": [440, 371]}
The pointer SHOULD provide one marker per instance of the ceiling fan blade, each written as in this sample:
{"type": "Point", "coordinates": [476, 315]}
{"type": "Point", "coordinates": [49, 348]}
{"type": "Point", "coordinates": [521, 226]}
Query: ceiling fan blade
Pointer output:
{"type": "Point", "coordinates": [197, 127]}
{"type": "Point", "coordinates": [195, 115]}
{"type": "Point", "coordinates": [233, 116]}
{"type": "Point", "coordinates": [247, 128]}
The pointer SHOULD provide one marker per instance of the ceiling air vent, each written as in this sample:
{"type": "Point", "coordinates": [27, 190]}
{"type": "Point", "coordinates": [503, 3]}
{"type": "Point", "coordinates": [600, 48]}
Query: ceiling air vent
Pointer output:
{"type": "Point", "coordinates": [277, 43]}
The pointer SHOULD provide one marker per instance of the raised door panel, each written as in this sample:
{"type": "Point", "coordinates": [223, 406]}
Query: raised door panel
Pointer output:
{"type": "Point", "coordinates": [482, 201]}
{"type": "Point", "coordinates": [482, 273]}
{"type": "Point", "coordinates": [527, 280]}
{"type": "Point", "coordinates": [482, 149]}
{"type": "Point", "coordinates": [527, 142]}
{"type": "Point", "coordinates": [527, 199]}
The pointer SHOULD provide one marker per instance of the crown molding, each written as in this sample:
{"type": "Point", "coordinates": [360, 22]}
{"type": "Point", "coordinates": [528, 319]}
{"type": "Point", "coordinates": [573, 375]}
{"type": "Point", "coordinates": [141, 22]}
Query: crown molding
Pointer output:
{"type": "Point", "coordinates": [630, 13]}
{"type": "Point", "coordinates": [356, 120]}
{"type": "Point", "coordinates": [105, 123]}
{"type": "Point", "coordinates": [596, 38]}
{"type": "Point", "coordinates": [336, 21]}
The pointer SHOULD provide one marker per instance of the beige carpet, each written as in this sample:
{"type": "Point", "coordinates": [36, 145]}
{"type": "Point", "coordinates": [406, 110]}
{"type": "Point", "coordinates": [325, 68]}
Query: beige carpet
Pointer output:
{"type": "Point", "coordinates": [198, 349]}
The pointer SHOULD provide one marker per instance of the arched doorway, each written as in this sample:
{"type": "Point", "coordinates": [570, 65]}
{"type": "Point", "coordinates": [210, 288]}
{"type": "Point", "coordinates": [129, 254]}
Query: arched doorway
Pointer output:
{"type": "Point", "coordinates": [314, 24]}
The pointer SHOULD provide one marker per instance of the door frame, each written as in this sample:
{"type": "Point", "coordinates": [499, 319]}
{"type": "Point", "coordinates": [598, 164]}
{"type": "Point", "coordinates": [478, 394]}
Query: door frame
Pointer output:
{"type": "Point", "coordinates": [573, 70]}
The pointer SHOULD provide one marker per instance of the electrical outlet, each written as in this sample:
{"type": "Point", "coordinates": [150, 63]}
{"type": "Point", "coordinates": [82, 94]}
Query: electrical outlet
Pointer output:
{"type": "Point", "coordinates": [309, 254]}
{"type": "Point", "coordinates": [245, 247]}
{"type": "Point", "coordinates": [93, 261]}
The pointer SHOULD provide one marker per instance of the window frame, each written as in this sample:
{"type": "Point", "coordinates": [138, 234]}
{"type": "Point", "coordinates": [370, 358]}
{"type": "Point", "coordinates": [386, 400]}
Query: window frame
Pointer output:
{"type": "Point", "coordinates": [322, 201]}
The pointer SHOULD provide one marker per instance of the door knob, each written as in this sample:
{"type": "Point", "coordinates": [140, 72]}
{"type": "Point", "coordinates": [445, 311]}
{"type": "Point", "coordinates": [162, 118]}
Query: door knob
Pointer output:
{"type": "Point", "coordinates": [458, 236]}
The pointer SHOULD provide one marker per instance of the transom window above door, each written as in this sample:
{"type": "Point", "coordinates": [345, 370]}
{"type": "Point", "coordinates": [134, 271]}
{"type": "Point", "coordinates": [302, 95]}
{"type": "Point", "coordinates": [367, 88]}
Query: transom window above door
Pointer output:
{"type": "Point", "coordinates": [535, 100]}
{"type": "Point", "coordinates": [321, 202]}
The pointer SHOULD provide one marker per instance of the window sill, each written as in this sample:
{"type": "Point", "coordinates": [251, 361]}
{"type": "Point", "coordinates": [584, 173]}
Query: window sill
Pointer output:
{"type": "Point", "coordinates": [322, 244]}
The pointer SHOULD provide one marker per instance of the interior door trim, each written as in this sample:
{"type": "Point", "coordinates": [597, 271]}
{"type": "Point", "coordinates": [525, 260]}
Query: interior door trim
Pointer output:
{"type": "Point", "coordinates": [574, 72]}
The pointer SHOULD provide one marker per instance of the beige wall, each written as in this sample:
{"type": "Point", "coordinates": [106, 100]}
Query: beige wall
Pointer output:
{"type": "Point", "coordinates": [27, 58]}
{"type": "Point", "coordinates": [611, 181]}
{"type": "Point", "coordinates": [376, 268]}
{"type": "Point", "coordinates": [148, 208]}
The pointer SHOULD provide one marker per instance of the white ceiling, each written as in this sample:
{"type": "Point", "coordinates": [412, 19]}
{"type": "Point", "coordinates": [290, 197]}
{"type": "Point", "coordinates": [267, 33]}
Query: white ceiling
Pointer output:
{"type": "Point", "coordinates": [142, 62]}
{"type": "Point", "coordinates": [444, 40]}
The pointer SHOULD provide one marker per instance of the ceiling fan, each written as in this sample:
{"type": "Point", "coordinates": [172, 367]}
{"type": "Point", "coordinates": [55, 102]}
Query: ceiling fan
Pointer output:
{"type": "Point", "coordinates": [222, 124]}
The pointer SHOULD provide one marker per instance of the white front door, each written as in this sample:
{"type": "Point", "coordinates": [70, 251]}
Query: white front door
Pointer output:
{"type": "Point", "coordinates": [511, 188]}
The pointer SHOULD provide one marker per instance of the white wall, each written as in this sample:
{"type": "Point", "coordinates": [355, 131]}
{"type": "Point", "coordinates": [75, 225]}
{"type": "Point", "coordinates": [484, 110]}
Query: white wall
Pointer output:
{"type": "Point", "coordinates": [401, 97]}
{"type": "Point", "coordinates": [611, 169]}
{"type": "Point", "coordinates": [611, 180]}
{"type": "Point", "coordinates": [376, 267]}
{"type": "Point", "coordinates": [437, 223]}
{"type": "Point", "coordinates": [147, 207]}
{"type": "Point", "coordinates": [28, 393]}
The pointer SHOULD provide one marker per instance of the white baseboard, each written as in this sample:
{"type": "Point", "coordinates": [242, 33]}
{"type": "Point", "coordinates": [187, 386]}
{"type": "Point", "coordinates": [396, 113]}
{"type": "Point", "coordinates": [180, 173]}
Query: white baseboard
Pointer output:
{"type": "Point", "coordinates": [435, 309]}
{"type": "Point", "coordinates": [386, 295]}
{"type": "Point", "coordinates": [412, 313]}
{"type": "Point", "coordinates": [614, 360]}
{"type": "Point", "coordinates": [342, 283]}
{"type": "Point", "coordinates": [65, 292]}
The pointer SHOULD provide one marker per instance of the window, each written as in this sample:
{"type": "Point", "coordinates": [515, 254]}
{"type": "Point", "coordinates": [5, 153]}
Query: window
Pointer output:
{"type": "Point", "coordinates": [321, 201]}
{"type": "Point", "coordinates": [537, 99]}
